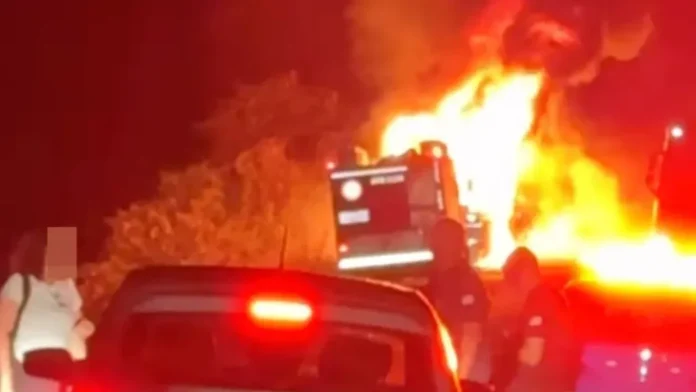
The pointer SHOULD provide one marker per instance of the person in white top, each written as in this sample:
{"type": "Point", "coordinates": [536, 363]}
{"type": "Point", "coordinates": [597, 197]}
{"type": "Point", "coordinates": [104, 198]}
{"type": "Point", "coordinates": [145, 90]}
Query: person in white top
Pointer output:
{"type": "Point", "coordinates": [44, 314]}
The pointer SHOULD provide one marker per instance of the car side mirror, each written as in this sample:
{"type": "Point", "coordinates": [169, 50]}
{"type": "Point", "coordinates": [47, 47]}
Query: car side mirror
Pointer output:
{"type": "Point", "coordinates": [52, 364]}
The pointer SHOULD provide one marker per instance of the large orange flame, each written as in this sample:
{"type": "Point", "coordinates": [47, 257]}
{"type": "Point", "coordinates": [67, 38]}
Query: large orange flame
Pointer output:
{"type": "Point", "coordinates": [485, 122]}
{"type": "Point", "coordinates": [652, 262]}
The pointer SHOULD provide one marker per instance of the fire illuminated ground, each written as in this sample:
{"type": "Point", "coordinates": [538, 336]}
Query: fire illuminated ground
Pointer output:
{"type": "Point", "coordinates": [485, 122]}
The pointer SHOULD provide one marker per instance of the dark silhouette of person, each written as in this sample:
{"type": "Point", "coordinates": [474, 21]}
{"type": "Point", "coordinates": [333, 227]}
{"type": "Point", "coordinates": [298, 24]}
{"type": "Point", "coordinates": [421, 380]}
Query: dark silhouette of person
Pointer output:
{"type": "Point", "coordinates": [457, 291]}
{"type": "Point", "coordinates": [545, 353]}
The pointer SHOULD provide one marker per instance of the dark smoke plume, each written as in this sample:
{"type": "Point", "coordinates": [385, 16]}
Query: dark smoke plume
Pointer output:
{"type": "Point", "coordinates": [408, 52]}
{"type": "Point", "coordinates": [571, 38]}
{"type": "Point", "coordinates": [396, 42]}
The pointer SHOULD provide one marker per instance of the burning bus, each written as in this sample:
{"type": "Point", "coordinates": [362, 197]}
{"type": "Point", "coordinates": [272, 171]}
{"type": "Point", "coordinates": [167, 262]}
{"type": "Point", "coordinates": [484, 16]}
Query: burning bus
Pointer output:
{"type": "Point", "coordinates": [384, 212]}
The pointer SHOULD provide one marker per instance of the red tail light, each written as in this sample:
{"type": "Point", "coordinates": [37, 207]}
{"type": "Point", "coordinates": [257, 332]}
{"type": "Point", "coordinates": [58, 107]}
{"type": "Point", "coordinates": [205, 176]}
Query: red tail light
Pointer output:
{"type": "Point", "coordinates": [279, 312]}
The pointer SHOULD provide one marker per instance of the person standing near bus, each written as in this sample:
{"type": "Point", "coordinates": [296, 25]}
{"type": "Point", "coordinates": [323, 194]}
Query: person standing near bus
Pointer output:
{"type": "Point", "coordinates": [457, 292]}
{"type": "Point", "coordinates": [545, 355]}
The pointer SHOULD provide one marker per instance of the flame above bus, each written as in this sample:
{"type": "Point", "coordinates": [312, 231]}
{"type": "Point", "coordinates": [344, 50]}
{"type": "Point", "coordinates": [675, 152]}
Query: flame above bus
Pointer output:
{"type": "Point", "coordinates": [486, 122]}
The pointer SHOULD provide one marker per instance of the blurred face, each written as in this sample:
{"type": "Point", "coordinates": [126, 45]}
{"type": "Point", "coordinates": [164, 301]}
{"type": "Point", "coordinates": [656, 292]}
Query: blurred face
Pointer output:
{"type": "Point", "coordinates": [447, 246]}
{"type": "Point", "coordinates": [511, 278]}
{"type": "Point", "coordinates": [520, 279]}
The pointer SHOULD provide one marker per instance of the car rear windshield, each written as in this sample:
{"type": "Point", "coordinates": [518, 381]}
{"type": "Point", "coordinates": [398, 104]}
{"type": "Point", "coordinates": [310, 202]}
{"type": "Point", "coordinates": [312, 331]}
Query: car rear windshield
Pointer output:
{"type": "Point", "coordinates": [225, 351]}
{"type": "Point", "coordinates": [663, 321]}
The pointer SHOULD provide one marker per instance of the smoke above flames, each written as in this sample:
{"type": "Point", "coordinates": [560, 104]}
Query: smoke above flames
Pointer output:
{"type": "Point", "coordinates": [408, 52]}
{"type": "Point", "coordinates": [397, 44]}
{"type": "Point", "coordinates": [570, 39]}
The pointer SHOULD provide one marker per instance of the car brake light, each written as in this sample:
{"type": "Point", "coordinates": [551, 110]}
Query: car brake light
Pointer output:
{"type": "Point", "coordinates": [451, 359]}
{"type": "Point", "coordinates": [280, 312]}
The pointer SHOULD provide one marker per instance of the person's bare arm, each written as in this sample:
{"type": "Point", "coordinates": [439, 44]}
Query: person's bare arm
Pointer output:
{"type": "Point", "coordinates": [77, 345]}
{"type": "Point", "coordinates": [532, 351]}
{"type": "Point", "coordinates": [84, 328]}
{"type": "Point", "coordinates": [539, 318]}
{"type": "Point", "coordinates": [468, 345]}
{"type": "Point", "coordinates": [8, 314]}
{"type": "Point", "coordinates": [10, 299]}
{"type": "Point", "coordinates": [476, 308]}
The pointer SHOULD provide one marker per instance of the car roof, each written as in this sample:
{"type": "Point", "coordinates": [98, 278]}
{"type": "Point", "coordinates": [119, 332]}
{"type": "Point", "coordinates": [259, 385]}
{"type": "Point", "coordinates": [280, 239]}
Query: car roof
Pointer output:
{"type": "Point", "coordinates": [197, 280]}
{"type": "Point", "coordinates": [204, 276]}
